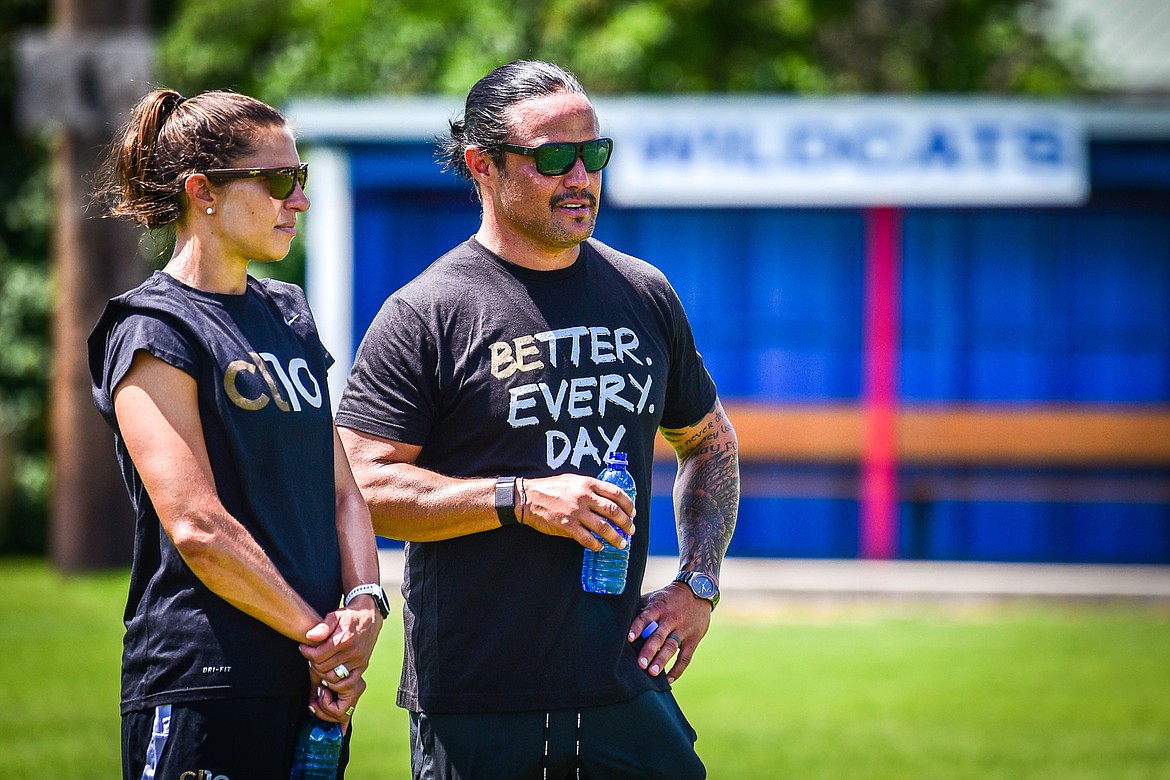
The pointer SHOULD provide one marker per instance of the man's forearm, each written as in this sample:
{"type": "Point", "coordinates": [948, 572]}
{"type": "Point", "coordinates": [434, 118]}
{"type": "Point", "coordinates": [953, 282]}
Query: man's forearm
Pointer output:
{"type": "Point", "coordinates": [409, 502]}
{"type": "Point", "coordinates": [414, 504]}
{"type": "Point", "coordinates": [706, 492]}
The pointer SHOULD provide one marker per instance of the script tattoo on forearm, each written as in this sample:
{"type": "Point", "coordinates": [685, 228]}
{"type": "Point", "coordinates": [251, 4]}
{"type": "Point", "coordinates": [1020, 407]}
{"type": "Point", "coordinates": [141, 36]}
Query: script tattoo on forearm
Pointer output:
{"type": "Point", "coordinates": [706, 490]}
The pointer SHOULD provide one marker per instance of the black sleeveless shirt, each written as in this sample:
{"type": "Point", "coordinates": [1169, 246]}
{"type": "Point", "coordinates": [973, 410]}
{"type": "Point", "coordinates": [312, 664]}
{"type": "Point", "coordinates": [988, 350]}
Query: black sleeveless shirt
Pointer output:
{"type": "Point", "coordinates": [264, 404]}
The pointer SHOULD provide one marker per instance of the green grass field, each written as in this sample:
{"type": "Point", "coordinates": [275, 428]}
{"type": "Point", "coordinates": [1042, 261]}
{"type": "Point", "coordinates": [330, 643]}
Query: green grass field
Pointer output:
{"type": "Point", "coordinates": [857, 692]}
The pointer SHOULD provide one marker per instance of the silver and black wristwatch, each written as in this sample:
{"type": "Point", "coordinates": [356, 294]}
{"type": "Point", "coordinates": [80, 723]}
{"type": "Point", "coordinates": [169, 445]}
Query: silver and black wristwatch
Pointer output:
{"type": "Point", "coordinates": [702, 585]}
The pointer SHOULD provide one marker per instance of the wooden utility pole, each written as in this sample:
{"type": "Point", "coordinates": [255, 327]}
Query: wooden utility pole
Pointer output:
{"type": "Point", "coordinates": [79, 81]}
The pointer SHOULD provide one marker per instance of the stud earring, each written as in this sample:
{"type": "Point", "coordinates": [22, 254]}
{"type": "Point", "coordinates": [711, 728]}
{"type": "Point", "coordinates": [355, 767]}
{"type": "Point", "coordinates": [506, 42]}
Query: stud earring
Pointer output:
{"type": "Point", "coordinates": [210, 211]}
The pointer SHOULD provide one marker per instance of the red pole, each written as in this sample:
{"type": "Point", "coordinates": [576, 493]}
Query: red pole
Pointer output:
{"type": "Point", "coordinates": [879, 463]}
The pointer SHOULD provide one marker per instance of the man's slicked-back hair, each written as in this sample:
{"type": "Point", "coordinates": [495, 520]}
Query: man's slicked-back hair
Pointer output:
{"type": "Point", "coordinates": [484, 123]}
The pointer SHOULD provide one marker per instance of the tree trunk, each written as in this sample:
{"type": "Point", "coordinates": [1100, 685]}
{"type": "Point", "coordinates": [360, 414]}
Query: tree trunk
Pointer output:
{"type": "Point", "coordinates": [91, 524]}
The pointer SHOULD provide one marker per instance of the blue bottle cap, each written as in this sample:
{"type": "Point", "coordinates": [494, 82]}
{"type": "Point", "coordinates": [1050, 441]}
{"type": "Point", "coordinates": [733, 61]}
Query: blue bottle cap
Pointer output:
{"type": "Point", "coordinates": [617, 459]}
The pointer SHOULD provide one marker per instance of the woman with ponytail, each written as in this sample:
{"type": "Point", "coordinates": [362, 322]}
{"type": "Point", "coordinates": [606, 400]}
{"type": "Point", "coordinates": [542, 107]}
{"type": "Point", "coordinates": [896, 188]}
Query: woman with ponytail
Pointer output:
{"type": "Point", "coordinates": [254, 596]}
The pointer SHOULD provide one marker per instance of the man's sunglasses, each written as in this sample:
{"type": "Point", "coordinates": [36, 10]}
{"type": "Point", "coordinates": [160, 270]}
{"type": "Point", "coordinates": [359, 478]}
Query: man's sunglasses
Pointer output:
{"type": "Point", "coordinates": [281, 181]}
{"type": "Point", "coordinates": [557, 159]}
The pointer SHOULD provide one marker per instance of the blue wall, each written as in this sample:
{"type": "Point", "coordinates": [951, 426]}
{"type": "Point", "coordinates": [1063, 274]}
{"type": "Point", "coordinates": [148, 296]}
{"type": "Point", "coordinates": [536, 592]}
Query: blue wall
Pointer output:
{"type": "Point", "coordinates": [1020, 306]}
{"type": "Point", "coordinates": [1037, 306]}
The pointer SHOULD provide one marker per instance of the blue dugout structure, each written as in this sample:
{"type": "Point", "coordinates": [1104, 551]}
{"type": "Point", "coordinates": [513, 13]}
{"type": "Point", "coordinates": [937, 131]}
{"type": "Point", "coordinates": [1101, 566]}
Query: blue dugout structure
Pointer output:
{"type": "Point", "coordinates": [941, 326]}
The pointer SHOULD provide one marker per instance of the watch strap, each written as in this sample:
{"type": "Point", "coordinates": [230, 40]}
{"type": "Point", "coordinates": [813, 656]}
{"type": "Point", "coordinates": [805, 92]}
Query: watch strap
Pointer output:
{"type": "Point", "coordinates": [375, 591]}
{"type": "Point", "coordinates": [506, 500]}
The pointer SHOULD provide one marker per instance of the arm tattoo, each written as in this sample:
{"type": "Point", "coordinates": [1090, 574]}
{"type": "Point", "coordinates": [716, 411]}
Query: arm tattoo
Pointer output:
{"type": "Point", "coordinates": [706, 490]}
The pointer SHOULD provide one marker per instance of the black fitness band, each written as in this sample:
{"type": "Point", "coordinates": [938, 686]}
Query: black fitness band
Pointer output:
{"type": "Point", "coordinates": [506, 500]}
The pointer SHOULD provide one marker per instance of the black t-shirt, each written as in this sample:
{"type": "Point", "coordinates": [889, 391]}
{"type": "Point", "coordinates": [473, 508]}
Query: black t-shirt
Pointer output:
{"type": "Point", "coordinates": [494, 369]}
{"type": "Point", "coordinates": [264, 405]}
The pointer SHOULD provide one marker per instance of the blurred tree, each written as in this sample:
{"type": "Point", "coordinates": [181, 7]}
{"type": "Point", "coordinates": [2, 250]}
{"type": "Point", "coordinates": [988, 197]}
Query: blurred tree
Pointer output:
{"type": "Point", "coordinates": [25, 221]}
{"type": "Point", "coordinates": [277, 49]}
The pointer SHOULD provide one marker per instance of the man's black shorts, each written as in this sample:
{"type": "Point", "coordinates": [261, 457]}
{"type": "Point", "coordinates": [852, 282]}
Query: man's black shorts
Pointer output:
{"type": "Point", "coordinates": [645, 737]}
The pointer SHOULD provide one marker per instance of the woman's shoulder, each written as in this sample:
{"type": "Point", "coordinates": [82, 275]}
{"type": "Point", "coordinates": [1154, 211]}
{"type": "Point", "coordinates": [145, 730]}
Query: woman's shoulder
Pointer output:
{"type": "Point", "coordinates": [275, 287]}
{"type": "Point", "coordinates": [288, 297]}
{"type": "Point", "coordinates": [152, 300]}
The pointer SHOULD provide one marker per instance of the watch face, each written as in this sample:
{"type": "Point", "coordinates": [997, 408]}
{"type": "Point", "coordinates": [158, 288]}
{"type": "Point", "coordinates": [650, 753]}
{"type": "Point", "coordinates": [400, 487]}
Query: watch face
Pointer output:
{"type": "Point", "coordinates": [703, 586]}
{"type": "Point", "coordinates": [382, 602]}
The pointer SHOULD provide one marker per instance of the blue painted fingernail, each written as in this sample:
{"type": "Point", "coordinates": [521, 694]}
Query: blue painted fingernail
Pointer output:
{"type": "Point", "coordinates": [649, 629]}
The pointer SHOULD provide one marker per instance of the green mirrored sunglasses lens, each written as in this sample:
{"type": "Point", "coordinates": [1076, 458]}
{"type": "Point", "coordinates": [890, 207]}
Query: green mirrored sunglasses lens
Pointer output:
{"type": "Point", "coordinates": [595, 154]}
{"type": "Point", "coordinates": [555, 159]}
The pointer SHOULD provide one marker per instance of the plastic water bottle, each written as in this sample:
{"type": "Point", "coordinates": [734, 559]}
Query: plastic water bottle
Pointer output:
{"type": "Point", "coordinates": [605, 571]}
{"type": "Point", "coordinates": [318, 751]}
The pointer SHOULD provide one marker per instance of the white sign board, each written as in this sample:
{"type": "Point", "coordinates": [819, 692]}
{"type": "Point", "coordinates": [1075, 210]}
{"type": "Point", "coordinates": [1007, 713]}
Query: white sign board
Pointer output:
{"type": "Point", "coordinates": [744, 152]}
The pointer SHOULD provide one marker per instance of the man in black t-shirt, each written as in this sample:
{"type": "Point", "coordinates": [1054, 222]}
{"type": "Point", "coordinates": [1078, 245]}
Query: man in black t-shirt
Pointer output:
{"type": "Point", "coordinates": [483, 399]}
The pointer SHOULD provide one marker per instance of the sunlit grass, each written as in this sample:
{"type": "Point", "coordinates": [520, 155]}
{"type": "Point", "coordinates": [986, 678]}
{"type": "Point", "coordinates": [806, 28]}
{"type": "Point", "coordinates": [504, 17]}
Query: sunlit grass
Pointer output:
{"type": "Point", "coordinates": [863, 692]}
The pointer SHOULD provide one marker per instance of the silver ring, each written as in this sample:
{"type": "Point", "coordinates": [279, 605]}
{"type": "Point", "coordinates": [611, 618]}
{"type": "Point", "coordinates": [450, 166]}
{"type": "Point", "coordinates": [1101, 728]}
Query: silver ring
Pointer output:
{"type": "Point", "coordinates": [341, 671]}
{"type": "Point", "coordinates": [677, 639]}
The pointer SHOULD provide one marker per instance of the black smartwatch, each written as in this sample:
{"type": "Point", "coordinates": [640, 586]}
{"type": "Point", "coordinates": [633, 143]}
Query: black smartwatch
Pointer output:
{"type": "Point", "coordinates": [506, 500]}
{"type": "Point", "coordinates": [702, 585]}
{"type": "Point", "coordinates": [375, 592]}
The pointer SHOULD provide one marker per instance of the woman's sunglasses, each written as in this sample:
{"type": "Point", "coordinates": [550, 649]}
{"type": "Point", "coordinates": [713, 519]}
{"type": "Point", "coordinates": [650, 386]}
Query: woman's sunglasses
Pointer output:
{"type": "Point", "coordinates": [557, 159]}
{"type": "Point", "coordinates": [281, 181]}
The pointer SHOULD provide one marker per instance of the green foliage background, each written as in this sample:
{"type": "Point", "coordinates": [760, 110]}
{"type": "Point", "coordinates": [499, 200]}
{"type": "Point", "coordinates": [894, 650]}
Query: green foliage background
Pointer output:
{"type": "Point", "coordinates": [277, 49]}
{"type": "Point", "coordinates": [280, 49]}
{"type": "Point", "coordinates": [25, 223]}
